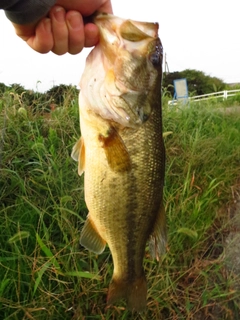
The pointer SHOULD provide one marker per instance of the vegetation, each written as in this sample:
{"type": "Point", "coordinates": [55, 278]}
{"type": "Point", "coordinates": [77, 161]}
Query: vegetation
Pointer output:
{"type": "Point", "coordinates": [40, 102]}
{"type": "Point", "coordinates": [198, 82]}
{"type": "Point", "coordinates": [46, 275]}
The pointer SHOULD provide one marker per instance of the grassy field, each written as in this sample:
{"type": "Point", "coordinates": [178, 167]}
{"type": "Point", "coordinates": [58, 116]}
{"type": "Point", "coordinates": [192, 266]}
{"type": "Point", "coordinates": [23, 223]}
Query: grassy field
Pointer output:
{"type": "Point", "coordinates": [45, 273]}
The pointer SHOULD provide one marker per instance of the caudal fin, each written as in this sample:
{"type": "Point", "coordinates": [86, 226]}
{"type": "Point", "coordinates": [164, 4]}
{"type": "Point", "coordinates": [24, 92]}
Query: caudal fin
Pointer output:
{"type": "Point", "coordinates": [134, 292]}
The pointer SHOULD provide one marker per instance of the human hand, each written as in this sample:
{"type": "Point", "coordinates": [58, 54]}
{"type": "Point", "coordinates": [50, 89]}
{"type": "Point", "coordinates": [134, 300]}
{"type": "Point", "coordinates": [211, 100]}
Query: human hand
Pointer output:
{"type": "Point", "coordinates": [64, 30]}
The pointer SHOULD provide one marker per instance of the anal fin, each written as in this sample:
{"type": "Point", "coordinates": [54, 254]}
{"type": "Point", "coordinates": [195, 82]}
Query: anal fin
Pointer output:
{"type": "Point", "coordinates": [78, 154]}
{"type": "Point", "coordinates": [90, 238]}
{"type": "Point", "coordinates": [116, 152]}
{"type": "Point", "coordinates": [158, 238]}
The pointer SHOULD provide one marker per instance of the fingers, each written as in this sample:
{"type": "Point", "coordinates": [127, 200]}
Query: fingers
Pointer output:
{"type": "Point", "coordinates": [91, 35]}
{"type": "Point", "coordinates": [76, 36]}
{"type": "Point", "coordinates": [24, 31]}
{"type": "Point", "coordinates": [59, 30]}
{"type": "Point", "coordinates": [42, 41]}
{"type": "Point", "coordinates": [38, 36]}
{"type": "Point", "coordinates": [62, 31]}
{"type": "Point", "coordinates": [67, 30]}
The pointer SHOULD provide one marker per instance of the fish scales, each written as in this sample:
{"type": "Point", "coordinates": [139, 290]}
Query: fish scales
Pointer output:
{"type": "Point", "coordinates": [123, 160]}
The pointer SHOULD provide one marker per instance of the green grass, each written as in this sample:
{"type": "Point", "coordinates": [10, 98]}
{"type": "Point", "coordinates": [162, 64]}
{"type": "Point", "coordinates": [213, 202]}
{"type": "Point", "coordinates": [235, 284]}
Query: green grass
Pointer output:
{"type": "Point", "coordinates": [44, 272]}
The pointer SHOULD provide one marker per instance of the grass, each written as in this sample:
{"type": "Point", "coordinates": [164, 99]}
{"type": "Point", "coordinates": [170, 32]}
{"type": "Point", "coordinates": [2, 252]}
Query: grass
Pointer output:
{"type": "Point", "coordinates": [44, 272]}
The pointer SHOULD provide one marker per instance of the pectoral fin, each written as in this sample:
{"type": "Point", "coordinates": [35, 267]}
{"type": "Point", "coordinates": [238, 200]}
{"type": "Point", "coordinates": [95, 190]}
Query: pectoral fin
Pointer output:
{"type": "Point", "coordinates": [158, 239]}
{"type": "Point", "coordinates": [116, 152]}
{"type": "Point", "coordinates": [91, 239]}
{"type": "Point", "coordinates": [78, 154]}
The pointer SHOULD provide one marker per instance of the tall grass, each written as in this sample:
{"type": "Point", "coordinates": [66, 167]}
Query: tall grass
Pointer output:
{"type": "Point", "coordinates": [44, 272]}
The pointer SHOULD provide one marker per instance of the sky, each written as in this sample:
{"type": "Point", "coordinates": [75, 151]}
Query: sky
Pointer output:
{"type": "Point", "coordinates": [201, 35]}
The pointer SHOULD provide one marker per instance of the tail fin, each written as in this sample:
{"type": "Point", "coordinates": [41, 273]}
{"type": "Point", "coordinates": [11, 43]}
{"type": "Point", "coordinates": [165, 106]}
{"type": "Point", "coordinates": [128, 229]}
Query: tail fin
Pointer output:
{"type": "Point", "coordinates": [134, 292]}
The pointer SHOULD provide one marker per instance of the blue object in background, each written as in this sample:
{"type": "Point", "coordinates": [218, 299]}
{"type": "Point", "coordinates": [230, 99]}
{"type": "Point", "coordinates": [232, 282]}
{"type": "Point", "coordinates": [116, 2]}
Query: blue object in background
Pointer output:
{"type": "Point", "coordinates": [181, 90]}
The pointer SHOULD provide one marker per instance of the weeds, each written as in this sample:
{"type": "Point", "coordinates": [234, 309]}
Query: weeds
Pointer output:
{"type": "Point", "coordinates": [45, 274]}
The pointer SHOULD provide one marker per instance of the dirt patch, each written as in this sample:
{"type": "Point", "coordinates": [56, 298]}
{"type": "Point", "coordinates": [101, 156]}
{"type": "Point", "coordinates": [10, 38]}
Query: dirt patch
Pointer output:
{"type": "Point", "coordinates": [232, 246]}
{"type": "Point", "coordinates": [229, 110]}
{"type": "Point", "coordinates": [232, 249]}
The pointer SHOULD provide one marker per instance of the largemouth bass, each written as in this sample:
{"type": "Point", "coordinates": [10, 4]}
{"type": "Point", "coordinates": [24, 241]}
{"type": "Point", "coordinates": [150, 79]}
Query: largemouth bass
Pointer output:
{"type": "Point", "coordinates": [121, 151]}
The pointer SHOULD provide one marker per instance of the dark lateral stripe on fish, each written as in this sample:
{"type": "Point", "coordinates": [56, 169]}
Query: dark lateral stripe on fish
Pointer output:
{"type": "Point", "coordinates": [132, 225]}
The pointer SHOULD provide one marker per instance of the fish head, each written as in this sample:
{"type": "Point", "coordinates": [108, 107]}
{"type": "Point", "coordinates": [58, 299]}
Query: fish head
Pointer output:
{"type": "Point", "coordinates": [120, 38]}
{"type": "Point", "coordinates": [129, 58]}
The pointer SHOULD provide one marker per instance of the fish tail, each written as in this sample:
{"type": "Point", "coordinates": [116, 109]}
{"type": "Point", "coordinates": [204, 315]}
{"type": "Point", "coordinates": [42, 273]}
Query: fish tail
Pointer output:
{"type": "Point", "coordinates": [134, 292]}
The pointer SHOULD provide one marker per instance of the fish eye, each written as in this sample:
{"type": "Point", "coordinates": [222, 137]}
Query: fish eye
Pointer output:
{"type": "Point", "coordinates": [156, 55]}
{"type": "Point", "coordinates": [155, 58]}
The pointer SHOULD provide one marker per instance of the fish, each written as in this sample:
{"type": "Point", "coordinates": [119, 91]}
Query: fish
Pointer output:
{"type": "Point", "coordinates": [121, 152]}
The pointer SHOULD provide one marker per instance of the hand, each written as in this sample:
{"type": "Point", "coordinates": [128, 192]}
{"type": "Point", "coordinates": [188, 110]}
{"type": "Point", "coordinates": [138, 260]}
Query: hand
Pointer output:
{"type": "Point", "coordinates": [63, 30]}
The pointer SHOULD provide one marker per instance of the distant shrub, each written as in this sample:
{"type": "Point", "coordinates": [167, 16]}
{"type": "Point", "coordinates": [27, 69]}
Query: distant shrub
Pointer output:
{"type": "Point", "coordinates": [198, 82]}
{"type": "Point", "coordinates": [59, 94]}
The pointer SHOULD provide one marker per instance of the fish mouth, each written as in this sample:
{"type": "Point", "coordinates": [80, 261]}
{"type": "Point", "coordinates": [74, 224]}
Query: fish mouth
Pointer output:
{"type": "Point", "coordinates": [127, 28]}
{"type": "Point", "coordinates": [132, 36]}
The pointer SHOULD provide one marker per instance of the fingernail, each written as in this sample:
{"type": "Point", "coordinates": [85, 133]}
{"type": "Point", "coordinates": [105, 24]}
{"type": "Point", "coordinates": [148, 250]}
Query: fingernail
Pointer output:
{"type": "Point", "coordinates": [74, 20]}
{"type": "Point", "coordinates": [59, 14]}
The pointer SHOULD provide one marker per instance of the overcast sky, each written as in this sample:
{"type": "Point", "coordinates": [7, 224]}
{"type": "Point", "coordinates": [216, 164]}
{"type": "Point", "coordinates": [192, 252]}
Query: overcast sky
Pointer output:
{"type": "Point", "coordinates": [202, 35]}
